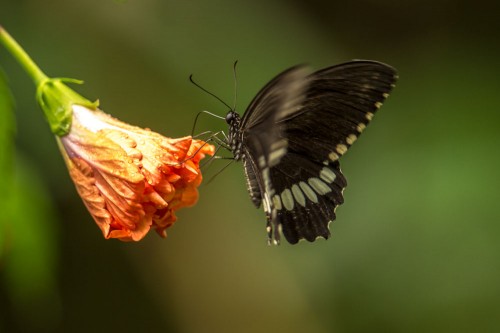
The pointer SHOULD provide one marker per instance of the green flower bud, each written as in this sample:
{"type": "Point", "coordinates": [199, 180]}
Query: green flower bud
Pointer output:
{"type": "Point", "coordinates": [56, 100]}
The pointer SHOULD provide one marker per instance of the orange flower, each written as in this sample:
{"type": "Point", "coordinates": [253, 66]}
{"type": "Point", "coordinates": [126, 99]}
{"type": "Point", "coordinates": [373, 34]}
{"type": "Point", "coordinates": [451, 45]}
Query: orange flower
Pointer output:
{"type": "Point", "coordinates": [131, 179]}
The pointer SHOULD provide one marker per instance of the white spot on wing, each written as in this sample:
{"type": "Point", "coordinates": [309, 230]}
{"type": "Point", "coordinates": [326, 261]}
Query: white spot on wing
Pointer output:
{"type": "Point", "coordinates": [298, 195]}
{"type": "Point", "coordinates": [333, 156]}
{"type": "Point", "coordinates": [308, 192]}
{"type": "Point", "coordinates": [319, 186]}
{"type": "Point", "coordinates": [341, 148]}
{"type": "Point", "coordinates": [287, 199]}
{"type": "Point", "coordinates": [267, 180]}
{"type": "Point", "coordinates": [361, 127]}
{"type": "Point", "coordinates": [351, 138]}
{"type": "Point", "coordinates": [277, 202]}
{"type": "Point", "coordinates": [369, 115]}
{"type": "Point", "coordinates": [276, 155]}
{"type": "Point", "coordinates": [262, 162]}
{"type": "Point", "coordinates": [378, 105]}
{"type": "Point", "coordinates": [327, 175]}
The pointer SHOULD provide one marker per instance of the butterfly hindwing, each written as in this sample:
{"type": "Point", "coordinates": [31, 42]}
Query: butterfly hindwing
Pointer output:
{"type": "Point", "coordinates": [307, 193]}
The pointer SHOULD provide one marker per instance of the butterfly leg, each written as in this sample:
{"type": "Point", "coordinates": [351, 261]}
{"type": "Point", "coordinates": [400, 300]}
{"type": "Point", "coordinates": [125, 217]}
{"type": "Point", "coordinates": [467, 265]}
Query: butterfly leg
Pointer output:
{"type": "Point", "coordinates": [272, 225]}
{"type": "Point", "coordinates": [273, 231]}
{"type": "Point", "coordinates": [269, 230]}
{"type": "Point", "coordinates": [276, 228]}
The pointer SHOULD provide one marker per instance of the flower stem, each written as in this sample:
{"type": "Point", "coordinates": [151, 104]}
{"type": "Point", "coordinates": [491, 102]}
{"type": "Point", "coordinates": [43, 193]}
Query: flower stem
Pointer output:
{"type": "Point", "coordinates": [22, 57]}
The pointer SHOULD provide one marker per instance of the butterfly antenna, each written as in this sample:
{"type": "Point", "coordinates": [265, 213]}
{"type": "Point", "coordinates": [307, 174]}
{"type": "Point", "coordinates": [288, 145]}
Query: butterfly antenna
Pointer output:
{"type": "Point", "coordinates": [208, 92]}
{"type": "Point", "coordinates": [235, 85]}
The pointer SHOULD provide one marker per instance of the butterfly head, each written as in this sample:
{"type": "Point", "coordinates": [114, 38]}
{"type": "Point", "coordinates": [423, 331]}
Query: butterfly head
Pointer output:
{"type": "Point", "coordinates": [232, 117]}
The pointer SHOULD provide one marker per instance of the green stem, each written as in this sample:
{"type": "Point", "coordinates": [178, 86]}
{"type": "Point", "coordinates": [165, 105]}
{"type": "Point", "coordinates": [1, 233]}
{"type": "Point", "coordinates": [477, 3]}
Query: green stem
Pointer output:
{"type": "Point", "coordinates": [22, 57]}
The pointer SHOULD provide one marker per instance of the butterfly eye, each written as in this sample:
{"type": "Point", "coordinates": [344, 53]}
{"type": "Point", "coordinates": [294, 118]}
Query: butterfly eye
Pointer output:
{"type": "Point", "coordinates": [230, 117]}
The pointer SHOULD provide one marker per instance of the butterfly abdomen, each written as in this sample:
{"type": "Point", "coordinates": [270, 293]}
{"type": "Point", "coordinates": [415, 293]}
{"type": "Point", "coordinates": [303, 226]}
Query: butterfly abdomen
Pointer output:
{"type": "Point", "coordinates": [252, 182]}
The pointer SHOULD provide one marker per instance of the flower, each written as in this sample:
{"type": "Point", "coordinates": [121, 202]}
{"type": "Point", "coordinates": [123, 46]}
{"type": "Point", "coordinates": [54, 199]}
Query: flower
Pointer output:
{"type": "Point", "coordinates": [131, 179]}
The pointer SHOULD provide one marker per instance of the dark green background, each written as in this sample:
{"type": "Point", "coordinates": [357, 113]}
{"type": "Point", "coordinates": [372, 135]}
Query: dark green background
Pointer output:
{"type": "Point", "coordinates": [415, 248]}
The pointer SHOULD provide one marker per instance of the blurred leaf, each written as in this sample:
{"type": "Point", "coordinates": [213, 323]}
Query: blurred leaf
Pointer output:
{"type": "Point", "coordinates": [31, 253]}
{"type": "Point", "coordinates": [27, 235]}
{"type": "Point", "coordinates": [7, 129]}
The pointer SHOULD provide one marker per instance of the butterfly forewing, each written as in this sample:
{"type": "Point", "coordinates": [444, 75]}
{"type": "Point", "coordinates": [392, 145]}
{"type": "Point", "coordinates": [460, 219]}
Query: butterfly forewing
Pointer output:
{"type": "Point", "coordinates": [281, 97]}
{"type": "Point", "coordinates": [340, 102]}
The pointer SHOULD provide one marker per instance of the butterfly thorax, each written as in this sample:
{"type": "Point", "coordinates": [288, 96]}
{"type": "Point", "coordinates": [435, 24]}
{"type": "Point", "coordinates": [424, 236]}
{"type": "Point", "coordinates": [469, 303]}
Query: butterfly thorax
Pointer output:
{"type": "Point", "coordinates": [234, 135]}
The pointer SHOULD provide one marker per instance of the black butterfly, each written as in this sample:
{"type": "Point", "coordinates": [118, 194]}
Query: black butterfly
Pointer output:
{"type": "Point", "coordinates": [292, 135]}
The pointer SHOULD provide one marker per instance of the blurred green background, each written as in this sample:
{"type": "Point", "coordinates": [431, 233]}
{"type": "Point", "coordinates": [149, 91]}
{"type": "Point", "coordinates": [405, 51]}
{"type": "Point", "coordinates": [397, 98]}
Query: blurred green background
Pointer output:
{"type": "Point", "coordinates": [415, 247]}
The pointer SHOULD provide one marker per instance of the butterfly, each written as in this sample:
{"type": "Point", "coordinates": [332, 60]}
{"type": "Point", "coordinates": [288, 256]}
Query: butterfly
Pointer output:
{"type": "Point", "coordinates": [292, 135]}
